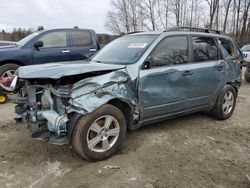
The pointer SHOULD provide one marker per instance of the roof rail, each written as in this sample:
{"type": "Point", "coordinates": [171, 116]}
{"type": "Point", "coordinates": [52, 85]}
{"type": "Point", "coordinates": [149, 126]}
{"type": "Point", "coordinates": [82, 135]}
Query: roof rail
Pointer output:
{"type": "Point", "coordinates": [196, 29]}
{"type": "Point", "coordinates": [133, 32]}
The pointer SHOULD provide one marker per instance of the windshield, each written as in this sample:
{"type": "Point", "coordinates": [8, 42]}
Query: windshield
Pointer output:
{"type": "Point", "coordinates": [125, 50]}
{"type": "Point", "coordinates": [246, 48]}
{"type": "Point", "coordinates": [27, 39]}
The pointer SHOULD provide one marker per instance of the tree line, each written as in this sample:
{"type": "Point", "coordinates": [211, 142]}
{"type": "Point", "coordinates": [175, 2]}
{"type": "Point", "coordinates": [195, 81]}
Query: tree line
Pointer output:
{"type": "Point", "coordinates": [230, 16]}
{"type": "Point", "coordinates": [18, 33]}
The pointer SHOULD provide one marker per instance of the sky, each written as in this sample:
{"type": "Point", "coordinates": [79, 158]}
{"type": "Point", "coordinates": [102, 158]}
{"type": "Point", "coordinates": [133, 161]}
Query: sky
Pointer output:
{"type": "Point", "coordinates": [51, 14]}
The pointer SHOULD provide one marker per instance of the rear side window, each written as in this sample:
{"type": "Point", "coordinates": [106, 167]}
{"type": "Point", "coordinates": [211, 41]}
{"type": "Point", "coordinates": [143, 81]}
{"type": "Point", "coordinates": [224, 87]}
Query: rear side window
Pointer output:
{"type": "Point", "coordinates": [204, 49]}
{"type": "Point", "coordinates": [172, 50]}
{"type": "Point", "coordinates": [228, 48]}
{"type": "Point", "coordinates": [81, 38]}
{"type": "Point", "coordinates": [54, 39]}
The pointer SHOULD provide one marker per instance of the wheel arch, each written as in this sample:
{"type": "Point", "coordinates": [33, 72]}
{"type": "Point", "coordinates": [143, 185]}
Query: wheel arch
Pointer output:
{"type": "Point", "coordinates": [17, 62]}
{"type": "Point", "coordinates": [234, 85]}
{"type": "Point", "coordinates": [126, 108]}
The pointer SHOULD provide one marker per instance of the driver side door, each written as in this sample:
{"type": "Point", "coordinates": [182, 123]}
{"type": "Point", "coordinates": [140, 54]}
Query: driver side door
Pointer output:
{"type": "Point", "coordinates": [55, 48]}
{"type": "Point", "coordinates": [165, 87]}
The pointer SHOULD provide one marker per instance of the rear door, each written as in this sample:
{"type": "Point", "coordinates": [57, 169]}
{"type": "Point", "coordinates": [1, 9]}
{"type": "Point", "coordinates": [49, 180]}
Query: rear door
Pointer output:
{"type": "Point", "coordinates": [82, 44]}
{"type": "Point", "coordinates": [55, 48]}
{"type": "Point", "coordinates": [209, 70]}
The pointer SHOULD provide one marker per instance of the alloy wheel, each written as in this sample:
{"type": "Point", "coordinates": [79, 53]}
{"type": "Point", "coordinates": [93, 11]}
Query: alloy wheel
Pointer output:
{"type": "Point", "coordinates": [103, 133]}
{"type": "Point", "coordinates": [228, 102]}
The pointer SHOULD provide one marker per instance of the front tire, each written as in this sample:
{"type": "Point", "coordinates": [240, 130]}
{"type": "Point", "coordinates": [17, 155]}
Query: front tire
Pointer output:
{"type": "Point", "coordinates": [225, 104]}
{"type": "Point", "coordinates": [99, 134]}
{"type": "Point", "coordinates": [8, 70]}
{"type": "Point", "coordinates": [247, 77]}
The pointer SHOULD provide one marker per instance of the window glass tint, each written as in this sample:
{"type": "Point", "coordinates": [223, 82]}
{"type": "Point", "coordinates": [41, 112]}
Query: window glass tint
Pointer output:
{"type": "Point", "coordinates": [205, 49]}
{"type": "Point", "coordinates": [173, 50]}
{"type": "Point", "coordinates": [55, 39]}
{"type": "Point", "coordinates": [81, 38]}
{"type": "Point", "coordinates": [228, 48]}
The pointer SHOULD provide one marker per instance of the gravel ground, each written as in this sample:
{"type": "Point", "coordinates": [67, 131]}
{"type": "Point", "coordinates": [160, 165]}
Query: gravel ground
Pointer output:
{"type": "Point", "coordinates": [191, 151]}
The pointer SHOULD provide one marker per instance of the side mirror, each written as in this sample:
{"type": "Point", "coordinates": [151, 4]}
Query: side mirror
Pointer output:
{"type": "Point", "coordinates": [38, 44]}
{"type": "Point", "coordinates": [147, 63]}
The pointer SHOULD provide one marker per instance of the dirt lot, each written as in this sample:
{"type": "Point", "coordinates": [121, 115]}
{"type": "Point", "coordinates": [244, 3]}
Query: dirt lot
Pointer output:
{"type": "Point", "coordinates": [191, 151]}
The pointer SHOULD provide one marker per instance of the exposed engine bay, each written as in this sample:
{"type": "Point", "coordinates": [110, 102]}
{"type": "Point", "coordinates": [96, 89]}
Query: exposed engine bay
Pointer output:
{"type": "Point", "coordinates": [47, 105]}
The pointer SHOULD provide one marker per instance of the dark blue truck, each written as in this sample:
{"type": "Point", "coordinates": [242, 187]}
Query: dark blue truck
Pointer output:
{"type": "Point", "coordinates": [48, 46]}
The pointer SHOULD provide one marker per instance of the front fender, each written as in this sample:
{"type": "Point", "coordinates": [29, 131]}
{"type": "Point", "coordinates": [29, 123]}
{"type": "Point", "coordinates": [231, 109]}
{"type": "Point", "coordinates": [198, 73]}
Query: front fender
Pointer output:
{"type": "Point", "coordinates": [91, 93]}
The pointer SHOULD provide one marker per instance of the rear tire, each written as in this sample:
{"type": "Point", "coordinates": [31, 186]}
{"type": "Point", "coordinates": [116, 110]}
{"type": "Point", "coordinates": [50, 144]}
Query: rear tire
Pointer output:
{"type": "Point", "coordinates": [247, 77]}
{"type": "Point", "coordinates": [8, 69]}
{"type": "Point", "coordinates": [225, 104]}
{"type": "Point", "coordinates": [99, 134]}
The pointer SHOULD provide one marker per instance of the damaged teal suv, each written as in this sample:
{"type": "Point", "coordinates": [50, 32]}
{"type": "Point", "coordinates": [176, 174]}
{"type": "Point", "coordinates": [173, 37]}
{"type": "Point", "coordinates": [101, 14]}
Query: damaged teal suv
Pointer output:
{"type": "Point", "coordinates": [138, 79]}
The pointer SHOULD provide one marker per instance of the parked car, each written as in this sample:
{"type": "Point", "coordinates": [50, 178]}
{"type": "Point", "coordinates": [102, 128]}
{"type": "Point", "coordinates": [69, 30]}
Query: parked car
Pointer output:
{"type": "Point", "coordinates": [135, 80]}
{"type": "Point", "coordinates": [48, 46]}
{"type": "Point", "coordinates": [246, 53]}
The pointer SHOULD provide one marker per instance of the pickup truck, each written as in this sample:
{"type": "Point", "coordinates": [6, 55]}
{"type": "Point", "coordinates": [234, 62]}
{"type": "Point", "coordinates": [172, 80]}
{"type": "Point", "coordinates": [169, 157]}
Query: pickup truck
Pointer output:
{"type": "Point", "coordinates": [48, 46]}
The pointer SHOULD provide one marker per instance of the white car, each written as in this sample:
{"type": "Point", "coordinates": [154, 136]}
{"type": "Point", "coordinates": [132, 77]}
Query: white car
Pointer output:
{"type": "Point", "coordinates": [246, 53]}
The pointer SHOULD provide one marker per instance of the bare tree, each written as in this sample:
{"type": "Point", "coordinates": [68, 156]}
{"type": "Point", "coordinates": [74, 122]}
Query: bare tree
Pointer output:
{"type": "Point", "coordinates": [126, 17]}
{"type": "Point", "coordinates": [227, 4]}
{"type": "Point", "coordinates": [238, 5]}
{"type": "Point", "coordinates": [213, 6]}
{"type": "Point", "coordinates": [162, 9]}
{"type": "Point", "coordinates": [149, 7]}
{"type": "Point", "coordinates": [133, 15]}
{"type": "Point", "coordinates": [112, 23]}
{"type": "Point", "coordinates": [244, 19]}
{"type": "Point", "coordinates": [175, 8]}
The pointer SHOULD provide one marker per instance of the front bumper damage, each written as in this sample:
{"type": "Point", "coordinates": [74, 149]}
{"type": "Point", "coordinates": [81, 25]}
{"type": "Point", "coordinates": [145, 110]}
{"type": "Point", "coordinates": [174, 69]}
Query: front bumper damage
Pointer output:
{"type": "Point", "coordinates": [48, 109]}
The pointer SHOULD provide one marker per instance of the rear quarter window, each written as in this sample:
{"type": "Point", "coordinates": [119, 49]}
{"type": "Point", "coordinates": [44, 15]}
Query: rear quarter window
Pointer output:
{"type": "Point", "coordinates": [228, 48]}
{"type": "Point", "coordinates": [81, 38]}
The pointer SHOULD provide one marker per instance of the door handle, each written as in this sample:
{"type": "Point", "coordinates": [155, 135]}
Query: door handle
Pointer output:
{"type": "Point", "coordinates": [66, 51]}
{"type": "Point", "coordinates": [187, 73]}
{"type": "Point", "coordinates": [92, 50]}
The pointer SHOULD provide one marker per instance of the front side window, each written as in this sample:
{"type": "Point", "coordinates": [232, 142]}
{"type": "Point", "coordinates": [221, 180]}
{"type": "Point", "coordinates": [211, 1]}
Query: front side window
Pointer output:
{"type": "Point", "coordinates": [54, 39]}
{"type": "Point", "coordinates": [228, 48]}
{"type": "Point", "coordinates": [172, 50]}
{"type": "Point", "coordinates": [204, 49]}
{"type": "Point", "coordinates": [81, 38]}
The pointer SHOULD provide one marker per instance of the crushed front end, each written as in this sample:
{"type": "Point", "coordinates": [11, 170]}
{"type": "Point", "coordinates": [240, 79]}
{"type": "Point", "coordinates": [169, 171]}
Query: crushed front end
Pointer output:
{"type": "Point", "coordinates": [42, 106]}
{"type": "Point", "coordinates": [48, 105]}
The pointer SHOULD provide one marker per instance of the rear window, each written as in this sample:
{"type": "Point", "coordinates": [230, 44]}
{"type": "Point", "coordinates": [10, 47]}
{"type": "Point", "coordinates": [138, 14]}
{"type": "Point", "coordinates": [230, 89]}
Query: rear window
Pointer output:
{"type": "Point", "coordinates": [204, 49]}
{"type": "Point", "coordinates": [81, 38]}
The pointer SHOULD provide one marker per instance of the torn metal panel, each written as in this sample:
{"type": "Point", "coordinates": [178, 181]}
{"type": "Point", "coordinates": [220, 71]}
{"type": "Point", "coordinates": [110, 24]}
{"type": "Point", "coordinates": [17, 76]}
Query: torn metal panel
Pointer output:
{"type": "Point", "coordinates": [89, 94]}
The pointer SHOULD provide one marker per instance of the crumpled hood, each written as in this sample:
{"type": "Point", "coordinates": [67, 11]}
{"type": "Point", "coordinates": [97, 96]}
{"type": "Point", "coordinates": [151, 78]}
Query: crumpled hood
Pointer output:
{"type": "Point", "coordinates": [61, 69]}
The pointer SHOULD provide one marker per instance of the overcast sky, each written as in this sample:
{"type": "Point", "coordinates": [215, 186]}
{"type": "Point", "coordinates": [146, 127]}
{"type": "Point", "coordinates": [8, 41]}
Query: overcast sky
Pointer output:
{"type": "Point", "coordinates": [54, 14]}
